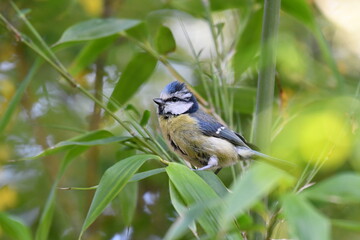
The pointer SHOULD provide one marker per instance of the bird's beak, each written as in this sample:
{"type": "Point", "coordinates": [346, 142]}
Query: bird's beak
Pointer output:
{"type": "Point", "coordinates": [158, 101]}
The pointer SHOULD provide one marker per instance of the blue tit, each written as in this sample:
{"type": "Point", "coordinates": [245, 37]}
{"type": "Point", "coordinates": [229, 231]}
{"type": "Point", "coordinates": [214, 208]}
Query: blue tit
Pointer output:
{"type": "Point", "coordinates": [195, 135]}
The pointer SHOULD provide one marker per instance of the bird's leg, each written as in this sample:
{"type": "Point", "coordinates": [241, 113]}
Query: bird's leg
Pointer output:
{"type": "Point", "coordinates": [217, 171]}
{"type": "Point", "coordinates": [213, 162]}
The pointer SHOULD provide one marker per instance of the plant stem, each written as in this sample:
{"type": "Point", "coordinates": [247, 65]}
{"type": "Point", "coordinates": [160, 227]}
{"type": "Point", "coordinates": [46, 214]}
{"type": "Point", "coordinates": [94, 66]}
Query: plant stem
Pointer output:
{"type": "Point", "coordinates": [266, 80]}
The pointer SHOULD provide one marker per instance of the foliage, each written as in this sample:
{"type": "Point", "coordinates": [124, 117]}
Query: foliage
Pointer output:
{"type": "Point", "coordinates": [76, 83]}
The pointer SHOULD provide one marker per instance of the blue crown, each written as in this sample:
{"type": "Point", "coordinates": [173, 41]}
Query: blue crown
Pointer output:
{"type": "Point", "coordinates": [174, 87]}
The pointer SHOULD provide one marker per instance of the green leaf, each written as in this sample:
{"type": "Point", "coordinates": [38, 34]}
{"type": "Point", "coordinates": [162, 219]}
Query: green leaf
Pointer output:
{"type": "Point", "coordinates": [305, 222]}
{"type": "Point", "coordinates": [146, 174]}
{"type": "Point", "coordinates": [249, 43]}
{"type": "Point", "coordinates": [101, 141]}
{"type": "Point", "coordinates": [13, 227]}
{"type": "Point", "coordinates": [43, 229]}
{"type": "Point", "coordinates": [112, 182]}
{"type": "Point", "coordinates": [87, 139]}
{"type": "Point", "coordinates": [135, 178]}
{"type": "Point", "coordinates": [128, 200]}
{"type": "Point", "coordinates": [337, 189]}
{"type": "Point", "coordinates": [180, 207]}
{"type": "Point", "coordinates": [139, 32]}
{"type": "Point", "coordinates": [196, 192]}
{"type": "Point", "coordinates": [6, 116]}
{"type": "Point", "coordinates": [194, 7]}
{"type": "Point", "coordinates": [346, 224]}
{"type": "Point", "coordinates": [89, 53]}
{"type": "Point", "coordinates": [176, 200]}
{"type": "Point", "coordinates": [214, 182]}
{"type": "Point", "coordinates": [96, 28]}
{"type": "Point", "coordinates": [244, 99]}
{"type": "Point", "coordinates": [137, 72]}
{"type": "Point", "coordinates": [301, 10]}
{"type": "Point", "coordinates": [46, 218]}
{"type": "Point", "coordinates": [255, 183]}
{"type": "Point", "coordinates": [145, 118]}
{"type": "Point", "coordinates": [218, 5]}
{"type": "Point", "coordinates": [125, 152]}
{"type": "Point", "coordinates": [164, 41]}
{"type": "Point", "coordinates": [180, 226]}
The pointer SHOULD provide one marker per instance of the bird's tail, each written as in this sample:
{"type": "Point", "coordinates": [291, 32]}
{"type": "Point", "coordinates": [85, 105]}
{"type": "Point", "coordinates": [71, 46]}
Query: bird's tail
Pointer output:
{"type": "Point", "coordinates": [280, 163]}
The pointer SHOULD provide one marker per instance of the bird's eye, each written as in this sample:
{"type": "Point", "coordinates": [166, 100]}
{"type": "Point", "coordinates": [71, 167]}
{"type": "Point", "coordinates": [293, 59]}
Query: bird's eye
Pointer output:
{"type": "Point", "coordinates": [174, 99]}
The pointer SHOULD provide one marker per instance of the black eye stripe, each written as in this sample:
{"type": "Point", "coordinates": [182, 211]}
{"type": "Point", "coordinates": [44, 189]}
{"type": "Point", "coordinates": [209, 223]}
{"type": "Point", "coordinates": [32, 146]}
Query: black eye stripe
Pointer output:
{"type": "Point", "coordinates": [175, 99]}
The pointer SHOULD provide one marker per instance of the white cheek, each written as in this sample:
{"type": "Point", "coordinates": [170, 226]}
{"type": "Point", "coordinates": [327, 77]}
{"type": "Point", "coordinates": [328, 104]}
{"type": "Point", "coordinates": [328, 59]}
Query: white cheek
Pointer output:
{"type": "Point", "coordinates": [177, 107]}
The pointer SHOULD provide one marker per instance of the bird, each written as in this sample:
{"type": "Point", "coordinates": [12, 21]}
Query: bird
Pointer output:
{"type": "Point", "coordinates": [198, 137]}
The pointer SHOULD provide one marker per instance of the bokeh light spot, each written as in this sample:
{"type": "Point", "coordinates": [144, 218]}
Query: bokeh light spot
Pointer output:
{"type": "Point", "coordinates": [325, 136]}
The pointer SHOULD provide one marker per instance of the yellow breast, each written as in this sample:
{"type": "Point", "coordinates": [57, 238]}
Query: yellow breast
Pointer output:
{"type": "Point", "coordinates": [185, 138]}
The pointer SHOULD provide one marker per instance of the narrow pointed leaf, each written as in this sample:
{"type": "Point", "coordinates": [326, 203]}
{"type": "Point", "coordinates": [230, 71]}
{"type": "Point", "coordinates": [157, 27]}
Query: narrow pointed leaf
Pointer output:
{"type": "Point", "coordinates": [13, 228]}
{"type": "Point", "coordinates": [305, 222]}
{"type": "Point", "coordinates": [137, 72]}
{"type": "Point", "coordinates": [89, 53]}
{"type": "Point", "coordinates": [176, 200]}
{"type": "Point", "coordinates": [96, 28]}
{"type": "Point", "coordinates": [112, 182]}
{"type": "Point", "coordinates": [346, 224]}
{"type": "Point", "coordinates": [259, 180]}
{"type": "Point", "coordinates": [128, 200]}
{"type": "Point", "coordinates": [135, 178]}
{"type": "Point", "coordinates": [87, 139]}
{"type": "Point", "coordinates": [7, 114]}
{"type": "Point", "coordinates": [180, 226]}
{"type": "Point", "coordinates": [194, 190]}
{"type": "Point", "coordinates": [180, 207]}
{"type": "Point", "coordinates": [214, 182]}
{"type": "Point", "coordinates": [102, 141]}
{"type": "Point", "coordinates": [143, 175]}
{"type": "Point", "coordinates": [337, 189]}
{"type": "Point", "coordinates": [46, 218]}
{"type": "Point", "coordinates": [43, 229]}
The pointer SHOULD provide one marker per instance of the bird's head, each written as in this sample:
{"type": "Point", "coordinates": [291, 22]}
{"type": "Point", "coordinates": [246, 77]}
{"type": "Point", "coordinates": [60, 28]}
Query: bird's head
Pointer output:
{"type": "Point", "coordinates": [176, 99]}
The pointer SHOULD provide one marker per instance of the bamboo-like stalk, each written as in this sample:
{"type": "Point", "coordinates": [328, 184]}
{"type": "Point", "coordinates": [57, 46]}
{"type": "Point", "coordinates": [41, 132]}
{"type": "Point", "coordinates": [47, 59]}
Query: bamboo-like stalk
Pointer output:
{"type": "Point", "coordinates": [266, 81]}
{"type": "Point", "coordinates": [261, 131]}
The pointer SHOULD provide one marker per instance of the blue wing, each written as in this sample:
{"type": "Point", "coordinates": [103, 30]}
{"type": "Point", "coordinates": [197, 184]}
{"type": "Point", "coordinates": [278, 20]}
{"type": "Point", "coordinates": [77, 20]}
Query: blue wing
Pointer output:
{"type": "Point", "coordinates": [210, 127]}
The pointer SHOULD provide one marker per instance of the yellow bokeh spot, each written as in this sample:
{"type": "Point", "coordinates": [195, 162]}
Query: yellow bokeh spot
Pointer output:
{"type": "Point", "coordinates": [8, 198]}
{"type": "Point", "coordinates": [6, 50]}
{"type": "Point", "coordinates": [324, 137]}
{"type": "Point", "coordinates": [7, 89]}
{"type": "Point", "coordinates": [4, 153]}
{"type": "Point", "coordinates": [92, 7]}
{"type": "Point", "coordinates": [322, 134]}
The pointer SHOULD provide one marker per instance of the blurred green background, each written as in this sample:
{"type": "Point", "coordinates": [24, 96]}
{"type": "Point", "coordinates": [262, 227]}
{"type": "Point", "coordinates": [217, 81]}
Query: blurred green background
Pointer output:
{"type": "Point", "coordinates": [213, 45]}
